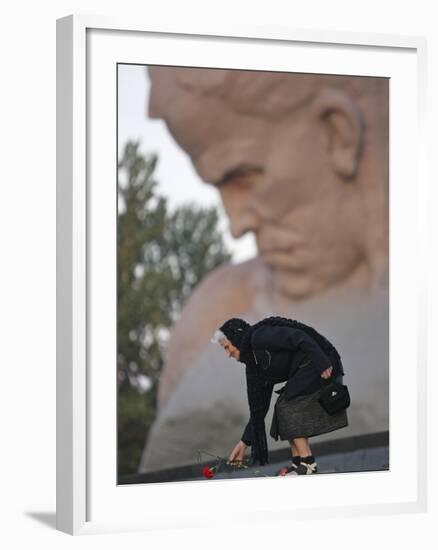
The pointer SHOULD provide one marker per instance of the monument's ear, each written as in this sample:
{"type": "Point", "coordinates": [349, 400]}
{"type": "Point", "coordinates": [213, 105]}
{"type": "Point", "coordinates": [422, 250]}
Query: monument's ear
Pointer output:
{"type": "Point", "coordinates": [342, 123]}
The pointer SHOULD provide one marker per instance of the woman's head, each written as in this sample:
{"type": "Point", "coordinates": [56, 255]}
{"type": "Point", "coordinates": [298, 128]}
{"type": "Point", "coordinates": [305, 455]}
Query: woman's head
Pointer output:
{"type": "Point", "coordinates": [230, 336]}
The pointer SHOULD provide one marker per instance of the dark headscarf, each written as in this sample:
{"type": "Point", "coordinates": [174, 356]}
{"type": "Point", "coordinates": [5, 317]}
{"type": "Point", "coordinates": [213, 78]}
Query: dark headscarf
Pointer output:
{"type": "Point", "coordinates": [235, 329]}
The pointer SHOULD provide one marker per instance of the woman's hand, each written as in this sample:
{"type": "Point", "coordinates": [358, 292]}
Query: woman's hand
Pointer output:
{"type": "Point", "coordinates": [236, 455]}
{"type": "Point", "coordinates": [327, 373]}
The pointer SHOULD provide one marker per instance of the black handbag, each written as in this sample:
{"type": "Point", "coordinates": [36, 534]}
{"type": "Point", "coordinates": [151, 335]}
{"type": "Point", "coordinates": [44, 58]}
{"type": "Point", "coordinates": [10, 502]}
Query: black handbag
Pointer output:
{"type": "Point", "coordinates": [334, 397]}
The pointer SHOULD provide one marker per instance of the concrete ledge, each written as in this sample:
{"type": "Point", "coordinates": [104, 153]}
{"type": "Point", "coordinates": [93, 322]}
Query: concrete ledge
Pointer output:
{"type": "Point", "coordinates": [344, 454]}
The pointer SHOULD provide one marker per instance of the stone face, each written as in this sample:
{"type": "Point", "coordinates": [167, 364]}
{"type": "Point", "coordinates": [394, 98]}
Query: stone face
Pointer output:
{"type": "Point", "coordinates": [301, 161]}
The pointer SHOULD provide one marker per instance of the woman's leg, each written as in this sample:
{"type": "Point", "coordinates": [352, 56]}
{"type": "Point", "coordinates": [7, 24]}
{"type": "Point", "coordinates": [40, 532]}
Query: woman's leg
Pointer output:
{"type": "Point", "coordinates": [294, 448]}
{"type": "Point", "coordinates": [303, 462]}
{"type": "Point", "coordinates": [307, 463]}
{"type": "Point", "coordinates": [296, 459]}
{"type": "Point", "coordinates": [300, 446]}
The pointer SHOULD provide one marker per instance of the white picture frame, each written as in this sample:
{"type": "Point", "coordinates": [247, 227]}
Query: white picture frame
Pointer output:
{"type": "Point", "coordinates": [88, 498]}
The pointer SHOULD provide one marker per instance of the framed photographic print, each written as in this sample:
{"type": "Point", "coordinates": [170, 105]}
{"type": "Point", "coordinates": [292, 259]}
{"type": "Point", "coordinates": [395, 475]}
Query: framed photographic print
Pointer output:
{"type": "Point", "coordinates": [241, 286]}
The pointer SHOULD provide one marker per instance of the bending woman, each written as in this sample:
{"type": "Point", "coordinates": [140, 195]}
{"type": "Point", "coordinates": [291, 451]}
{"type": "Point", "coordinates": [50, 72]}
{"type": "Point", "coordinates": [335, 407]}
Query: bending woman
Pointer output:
{"type": "Point", "coordinates": [277, 350]}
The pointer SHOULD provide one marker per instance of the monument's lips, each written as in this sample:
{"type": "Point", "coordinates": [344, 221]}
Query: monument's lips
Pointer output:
{"type": "Point", "coordinates": [286, 259]}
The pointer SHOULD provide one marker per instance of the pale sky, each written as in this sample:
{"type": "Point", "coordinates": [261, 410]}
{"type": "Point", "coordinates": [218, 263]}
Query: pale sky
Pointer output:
{"type": "Point", "coordinates": [176, 177]}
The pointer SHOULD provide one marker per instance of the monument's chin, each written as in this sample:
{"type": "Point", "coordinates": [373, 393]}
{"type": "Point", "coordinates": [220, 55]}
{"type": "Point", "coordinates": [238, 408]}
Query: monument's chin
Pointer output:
{"type": "Point", "coordinates": [292, 284]}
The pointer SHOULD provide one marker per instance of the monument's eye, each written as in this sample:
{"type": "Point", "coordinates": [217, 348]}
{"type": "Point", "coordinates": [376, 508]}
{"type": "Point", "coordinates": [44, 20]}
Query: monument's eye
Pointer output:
{"type": "Point", "coordinates": [240, 174]}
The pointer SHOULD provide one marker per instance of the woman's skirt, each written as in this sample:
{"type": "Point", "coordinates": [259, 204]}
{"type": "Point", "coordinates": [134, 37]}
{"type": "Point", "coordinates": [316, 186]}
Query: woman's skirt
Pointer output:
{"type": "Point", "coordinates": [303, 416]}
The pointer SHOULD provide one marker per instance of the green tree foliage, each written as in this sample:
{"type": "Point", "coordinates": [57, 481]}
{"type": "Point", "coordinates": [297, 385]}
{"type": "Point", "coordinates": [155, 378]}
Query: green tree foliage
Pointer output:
{"type": "Point", "coordinates": [161, 257]}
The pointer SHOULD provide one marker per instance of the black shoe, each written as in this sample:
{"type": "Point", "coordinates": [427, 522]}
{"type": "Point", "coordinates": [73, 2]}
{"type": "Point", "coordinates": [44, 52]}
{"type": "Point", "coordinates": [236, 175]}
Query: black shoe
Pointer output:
{"type": "Point", "coordinates": [306, 466]}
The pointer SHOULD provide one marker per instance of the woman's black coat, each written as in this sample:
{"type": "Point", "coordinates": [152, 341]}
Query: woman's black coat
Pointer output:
{"type": "Point", "coordinates": [285, 354]}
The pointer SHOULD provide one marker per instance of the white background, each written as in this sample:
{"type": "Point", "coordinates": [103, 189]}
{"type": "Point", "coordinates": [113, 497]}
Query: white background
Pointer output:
{"type": "Point", "coordinates": [27, 122]}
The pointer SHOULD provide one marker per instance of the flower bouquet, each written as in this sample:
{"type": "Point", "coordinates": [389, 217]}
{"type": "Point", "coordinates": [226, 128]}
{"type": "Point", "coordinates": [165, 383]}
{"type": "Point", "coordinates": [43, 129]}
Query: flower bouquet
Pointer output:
{"type": "Point", "coordinates": [221, 464]}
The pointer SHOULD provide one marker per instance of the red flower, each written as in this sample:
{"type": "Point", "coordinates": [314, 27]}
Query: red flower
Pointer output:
{"type": "Point", "coordinates": [207, 472]}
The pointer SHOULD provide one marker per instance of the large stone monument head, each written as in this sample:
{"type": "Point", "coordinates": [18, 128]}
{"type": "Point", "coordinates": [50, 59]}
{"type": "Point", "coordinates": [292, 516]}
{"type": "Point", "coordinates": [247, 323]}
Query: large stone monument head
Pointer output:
{"type": "Point", "coordinates": [301, 160]}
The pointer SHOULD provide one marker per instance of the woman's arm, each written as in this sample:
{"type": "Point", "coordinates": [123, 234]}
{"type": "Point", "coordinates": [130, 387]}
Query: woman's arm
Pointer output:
{"type": "Point", "coordinates": [303, 380]}
{"type": "Point", "coordinates": [248, 434]}
{"type": "Point", "coordinates": [311, 348]}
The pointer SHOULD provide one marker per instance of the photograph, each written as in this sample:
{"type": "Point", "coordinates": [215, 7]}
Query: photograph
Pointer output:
{"type": "Point", "coordinates": [252, 273]}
